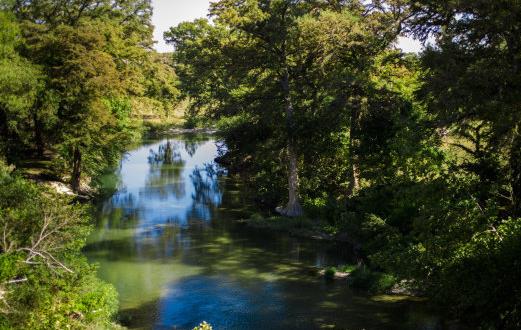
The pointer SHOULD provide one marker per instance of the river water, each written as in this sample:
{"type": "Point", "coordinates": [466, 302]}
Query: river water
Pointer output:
{"type": "Point", "coordinates": [167, 240]}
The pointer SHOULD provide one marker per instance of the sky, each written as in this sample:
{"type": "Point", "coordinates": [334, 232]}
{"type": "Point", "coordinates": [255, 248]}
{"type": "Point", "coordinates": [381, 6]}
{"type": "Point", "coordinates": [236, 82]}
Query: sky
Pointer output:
{"type": "Point", "coordinates": [168, 13]}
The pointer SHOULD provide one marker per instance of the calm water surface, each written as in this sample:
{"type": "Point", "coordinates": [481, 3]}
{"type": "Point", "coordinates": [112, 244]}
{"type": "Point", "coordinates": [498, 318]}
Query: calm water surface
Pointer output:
{"type": "Point", "coordinates": [167, 241]}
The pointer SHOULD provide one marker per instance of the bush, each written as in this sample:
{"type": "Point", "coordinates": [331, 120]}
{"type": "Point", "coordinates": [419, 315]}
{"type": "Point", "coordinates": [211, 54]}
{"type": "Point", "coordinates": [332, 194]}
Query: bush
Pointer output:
{"type": "Point", "coordinates": [45, 281]}
{"type": "Point", "coordinates": [483, 278]}
{"type": "Point", "coordinates": [329, 273]}
{"type": "Point", "coordinates": [190, 122]}
{"type": "Point", "coordinates": [372, 281]}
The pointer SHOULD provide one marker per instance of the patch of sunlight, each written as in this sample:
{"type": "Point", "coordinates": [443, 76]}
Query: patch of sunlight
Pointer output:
{"type": "Point", "coordinates": [110, 235]}
{"type": "Point", "coordinates": [285, 268]}
{"type": "Point", "coordinates": [396, 298]}
{"type": "Point", "coordinates": [329, 304]}
{"type": "Point", "coordinates": [143, 282]}
{"type": "Point", "coordinates": [230, 262]}
{"type": "Point", "coordinates": [248, 273]}
{"type": "Point", "coordinates": [323, 325]}
{"type": "Point", "coordinates": [224, 240]}
{"type": "Point", "coordinates": [214, 250]}
{"type": "Point", "coordinates": [269, 277]}
{"type": "Point", "coordinates": [332, 294]}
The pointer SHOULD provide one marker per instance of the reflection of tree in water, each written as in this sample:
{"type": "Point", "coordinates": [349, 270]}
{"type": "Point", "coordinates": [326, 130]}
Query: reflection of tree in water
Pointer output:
{"type": "Point", "coordinates": [207, 191]}
{"type": "Point", "coordinates": [166, 167]}
{"type": "Point", "coordinates": [166, 154]}
{"type": "Point", "coordinates": [222, 148]}
{"type": "Point", "coordinates": [192, 143]}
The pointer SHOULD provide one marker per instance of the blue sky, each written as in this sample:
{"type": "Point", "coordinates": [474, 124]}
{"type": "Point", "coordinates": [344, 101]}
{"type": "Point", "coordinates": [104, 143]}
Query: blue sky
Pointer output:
{"type": "Point", "coordinates": [168, 13]}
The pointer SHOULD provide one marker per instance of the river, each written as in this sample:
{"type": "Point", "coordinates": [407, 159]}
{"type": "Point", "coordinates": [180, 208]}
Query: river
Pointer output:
{"type": "Point", "coordinates": [167, 240]}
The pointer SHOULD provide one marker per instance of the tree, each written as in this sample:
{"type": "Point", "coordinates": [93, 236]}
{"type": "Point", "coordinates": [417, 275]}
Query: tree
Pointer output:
{"type": "Point", "coordinates": [267, 27]}
{"type": "Point", "coordinates": [19, 85]}
{"type": "Point", "coordinates": [79, 69]}
{"type": "Point", "coordinates": [343, 47]}
{"type": "Point", "coordinates": [92, 55]}
{"type": "Point", "coordinates": [474, 78]}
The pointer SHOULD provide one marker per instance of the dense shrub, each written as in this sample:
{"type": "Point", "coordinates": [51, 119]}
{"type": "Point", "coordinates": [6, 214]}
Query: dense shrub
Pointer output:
{"type": "Point", "coordinates": [45, 282]}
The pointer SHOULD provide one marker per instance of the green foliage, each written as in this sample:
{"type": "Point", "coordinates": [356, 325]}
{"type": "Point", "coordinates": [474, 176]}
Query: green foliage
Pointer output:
{"type": "Point", "coordinates": [203, 326]}
{"type": "Point", "coordinates": [19, 86]}
{"type": "Point", "coordinates": [74, 79]}
{"type": "Point", "coordinates": [45, 282]}
{"type": "Point", "coordinates": [191, 122]}
{"type": "Point", "coordinates": [488, 261]}
{"type": "Point", "coordinates": [375, 282]}
{"type": "Point", "coordinates": [329, 273]}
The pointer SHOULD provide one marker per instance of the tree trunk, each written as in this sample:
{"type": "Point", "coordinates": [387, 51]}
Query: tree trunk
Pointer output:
{"type": "Point", "coordinates": [515, 172]}
{"type": "Point", "coordinates": [293, 208]}
{"type": "Point", "coordinates": [354, 163]}
{"type": "Point", "coordinates": [76, 170]}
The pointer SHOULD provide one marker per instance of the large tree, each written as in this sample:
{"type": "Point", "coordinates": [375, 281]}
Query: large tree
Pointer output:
{"type": "Point", "coordinates": [474, 82]}
{"type": "Point", "coordinates": [95, 58]}
{"type": "Point", "coordinates": [284, 63]}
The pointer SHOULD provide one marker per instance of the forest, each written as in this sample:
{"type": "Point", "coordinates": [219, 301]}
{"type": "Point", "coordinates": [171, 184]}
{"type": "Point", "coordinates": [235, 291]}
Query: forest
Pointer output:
{"type": "Point", "coordinates": [412, 159]}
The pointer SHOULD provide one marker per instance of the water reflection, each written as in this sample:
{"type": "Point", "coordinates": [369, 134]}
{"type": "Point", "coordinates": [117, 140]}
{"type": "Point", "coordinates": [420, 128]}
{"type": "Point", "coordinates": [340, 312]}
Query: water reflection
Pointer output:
{"type": "Point", "coordinates": [165, 175]}
{"type": "Point", "coordinates": [165, 241]}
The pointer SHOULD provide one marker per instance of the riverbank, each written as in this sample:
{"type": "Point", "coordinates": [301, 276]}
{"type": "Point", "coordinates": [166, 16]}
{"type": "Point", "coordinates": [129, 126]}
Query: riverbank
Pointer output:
{"type": "Point", "coordinates": [43, 171]}
{"type": "Point", "coordinates": [358, 276]}
{"type": "Point", "coordinates": [301, 227]}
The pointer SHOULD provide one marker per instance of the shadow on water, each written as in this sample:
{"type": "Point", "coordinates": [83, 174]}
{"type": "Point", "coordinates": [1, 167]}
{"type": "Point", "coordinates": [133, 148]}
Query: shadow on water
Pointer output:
{"type": "Point", "coordinates": [167, 241]}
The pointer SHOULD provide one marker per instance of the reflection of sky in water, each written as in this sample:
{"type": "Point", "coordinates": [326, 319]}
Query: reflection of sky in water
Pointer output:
{"type": "Point", "coordinates": [222, 301]}
{"type": "Point", "coordinates": [163, 240]}
{"type": "Point", "coordinates": [159, 192]}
